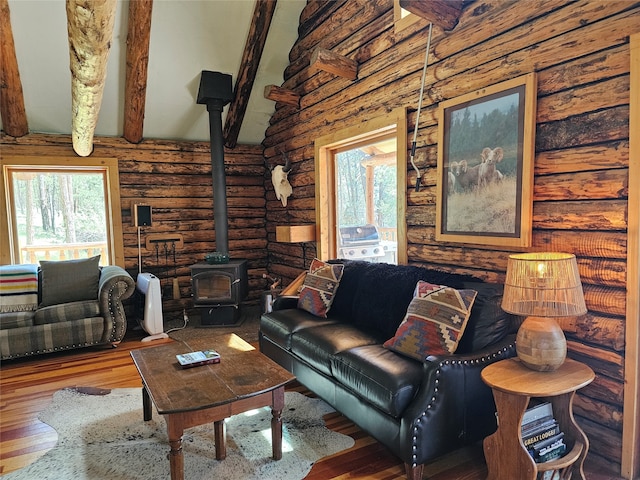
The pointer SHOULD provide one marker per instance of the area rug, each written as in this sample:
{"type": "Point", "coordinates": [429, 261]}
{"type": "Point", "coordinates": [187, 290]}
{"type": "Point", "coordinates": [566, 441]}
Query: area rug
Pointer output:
{"type": "Point", "coordinates": [247, 329]}
{"type": "Point", "coordinates": [105, 437]}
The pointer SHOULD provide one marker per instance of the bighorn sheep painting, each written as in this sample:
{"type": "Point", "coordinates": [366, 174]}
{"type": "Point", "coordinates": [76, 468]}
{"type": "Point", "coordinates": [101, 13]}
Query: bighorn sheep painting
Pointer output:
{"type": "Point", "coordinates": [485, 165]}
{"type": "Point", "coordinates": [280, 180]}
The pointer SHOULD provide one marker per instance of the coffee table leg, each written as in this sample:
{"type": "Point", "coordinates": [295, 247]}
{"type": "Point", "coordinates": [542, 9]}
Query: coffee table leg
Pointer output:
{"type": "Point", "coordinates": [276, 422]}
{"type": "Point", "coordinates": [176, 457]}
{"type": "Point", "coordinates": [147, 412]}
{"type": "Point", "coordinates": [220, 434]}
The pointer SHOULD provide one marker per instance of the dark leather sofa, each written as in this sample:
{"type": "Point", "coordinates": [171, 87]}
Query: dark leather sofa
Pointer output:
{"type": "Point", "coordinates": [419, 410]}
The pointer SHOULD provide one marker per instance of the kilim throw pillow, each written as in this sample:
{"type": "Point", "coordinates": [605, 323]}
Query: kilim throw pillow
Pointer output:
{"type": "Point", "coordinates": [434, 323]}
{"type": "Point", "coordinates": [319, 287]}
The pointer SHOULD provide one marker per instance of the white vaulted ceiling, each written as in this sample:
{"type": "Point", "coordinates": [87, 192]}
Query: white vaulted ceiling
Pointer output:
{"type": "Point", "coordinates": [187, 36]}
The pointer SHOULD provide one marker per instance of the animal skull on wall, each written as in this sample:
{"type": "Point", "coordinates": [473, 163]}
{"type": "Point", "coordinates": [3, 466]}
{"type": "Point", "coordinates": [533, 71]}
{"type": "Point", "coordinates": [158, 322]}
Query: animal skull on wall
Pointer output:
{"type": "Point", "coordinates": [280, 180]}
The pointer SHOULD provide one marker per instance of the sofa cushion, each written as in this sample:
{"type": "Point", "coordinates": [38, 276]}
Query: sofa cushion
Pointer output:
{"type": "Point", "coordinates": [16, 319]}
{"type": "Point", "coordinates": [488, 323]}
{"type": "Point", "coordinates": [379, 376]}
{"type": "Point", "coordinates": [66, 312]}
{"type": "Point", "coordinates": [319, 287]}
{"type": "Point", "coordinates": [280, 325]}
{"type": "Point", "coordinates": [318, 345]}
{"type": "Point", "coordinates": [69, 280]}
{"type": "Point", "coordinates": [435, 320]}
{"type": "Point", "coordinates": [52, 337]}
{"type": "Point", "coordinates": [375, 296]}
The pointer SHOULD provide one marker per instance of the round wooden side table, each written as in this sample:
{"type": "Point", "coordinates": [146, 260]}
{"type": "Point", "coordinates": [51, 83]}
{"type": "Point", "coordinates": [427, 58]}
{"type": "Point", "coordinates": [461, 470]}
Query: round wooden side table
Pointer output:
{"type": "Point", "coordinates": [513, 386]}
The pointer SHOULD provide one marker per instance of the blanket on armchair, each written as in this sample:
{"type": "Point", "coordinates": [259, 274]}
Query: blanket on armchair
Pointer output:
{"type": "Point", "coordinates": [18, 288]}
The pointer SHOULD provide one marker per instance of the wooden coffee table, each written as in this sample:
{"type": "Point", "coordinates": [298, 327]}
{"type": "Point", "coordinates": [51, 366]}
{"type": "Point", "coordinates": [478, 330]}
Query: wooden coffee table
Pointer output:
{"type": "Point", "coordinates": [244, 379]}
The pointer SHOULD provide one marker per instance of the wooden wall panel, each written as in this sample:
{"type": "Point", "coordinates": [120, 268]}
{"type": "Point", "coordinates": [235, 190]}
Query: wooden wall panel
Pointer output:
{"type": "Point", "coordinates": [580, 52]}
{"type": "Point", "coordinates": [175, 179]}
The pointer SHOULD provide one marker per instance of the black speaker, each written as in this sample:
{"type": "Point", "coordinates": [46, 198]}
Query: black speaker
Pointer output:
{"type": "Point", "coordinates": [142, 215]}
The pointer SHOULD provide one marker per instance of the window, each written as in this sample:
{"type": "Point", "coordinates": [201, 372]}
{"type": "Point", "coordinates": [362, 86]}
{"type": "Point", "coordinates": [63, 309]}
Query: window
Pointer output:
{"type": "Point", "coordinates": [60, 209]}
{"type": "Point", "coordinates": [361, 191]}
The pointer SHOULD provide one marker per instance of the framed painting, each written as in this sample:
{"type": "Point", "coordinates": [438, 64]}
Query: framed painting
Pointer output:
{"type": "Point", "coordinates": [486, 153]}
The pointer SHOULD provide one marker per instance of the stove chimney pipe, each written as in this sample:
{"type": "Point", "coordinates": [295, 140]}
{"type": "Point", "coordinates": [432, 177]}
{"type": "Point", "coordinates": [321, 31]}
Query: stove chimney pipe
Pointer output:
{"type": "Point", "coordinates": [216, 91]}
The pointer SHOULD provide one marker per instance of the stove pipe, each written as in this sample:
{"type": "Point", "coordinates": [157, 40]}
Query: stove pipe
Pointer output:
{"type": "Point", "coordinates": [216, 91]}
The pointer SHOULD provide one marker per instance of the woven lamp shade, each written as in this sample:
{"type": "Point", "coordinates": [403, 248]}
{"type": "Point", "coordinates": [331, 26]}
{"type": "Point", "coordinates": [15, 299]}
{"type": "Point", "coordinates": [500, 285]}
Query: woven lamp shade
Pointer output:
{"type": "Point", "coordinates": [542, 285]}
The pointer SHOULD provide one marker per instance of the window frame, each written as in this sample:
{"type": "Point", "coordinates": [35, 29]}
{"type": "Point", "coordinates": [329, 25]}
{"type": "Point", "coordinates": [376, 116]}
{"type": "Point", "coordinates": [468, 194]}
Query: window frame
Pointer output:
{"type": "Point", "coordinates": [363, 132]}
{"type": "Point", "coordinates": [109, 166]}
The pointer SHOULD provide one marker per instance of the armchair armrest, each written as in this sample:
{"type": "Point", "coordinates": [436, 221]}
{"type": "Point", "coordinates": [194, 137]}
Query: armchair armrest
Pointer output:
{"type": "Point", "coordinates": [115, 285]}
{"type": "Point", "coordinates": [453, 405]}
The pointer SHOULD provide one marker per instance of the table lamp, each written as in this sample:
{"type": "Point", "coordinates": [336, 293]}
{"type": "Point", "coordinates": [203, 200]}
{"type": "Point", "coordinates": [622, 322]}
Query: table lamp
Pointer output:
{"type": "Point", "coordinates": [542, 286]}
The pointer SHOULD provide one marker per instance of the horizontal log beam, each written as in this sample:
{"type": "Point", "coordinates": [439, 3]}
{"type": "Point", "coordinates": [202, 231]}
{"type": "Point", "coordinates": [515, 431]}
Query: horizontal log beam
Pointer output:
{"type": "Point", "coordinates": [327, 61]}
{"type": "Point", "coordinates": [444, 13]}
{"type": "Point", "coordinates": [283, 95]}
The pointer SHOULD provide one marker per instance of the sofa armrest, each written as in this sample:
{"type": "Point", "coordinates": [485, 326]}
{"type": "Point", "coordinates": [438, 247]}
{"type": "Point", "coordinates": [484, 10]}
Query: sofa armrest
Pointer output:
{"type": "Point", "coordinates": [115, 286]}
{"type": "Point", "coordinates": [453, 404]}
{"type": "Point", "coordinates": [284, 302]}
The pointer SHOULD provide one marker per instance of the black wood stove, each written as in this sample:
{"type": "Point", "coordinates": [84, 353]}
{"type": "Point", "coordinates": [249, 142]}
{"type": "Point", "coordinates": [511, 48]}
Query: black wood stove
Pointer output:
{"type": "Point", "coordinates": [218, 290]}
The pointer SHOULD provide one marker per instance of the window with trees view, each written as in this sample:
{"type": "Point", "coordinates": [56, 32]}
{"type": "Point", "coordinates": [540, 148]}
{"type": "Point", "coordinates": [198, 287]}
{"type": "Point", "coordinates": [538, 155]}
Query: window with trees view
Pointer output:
{"type": "Point", "coordinates": [361, 188]}
{"type": "Point", "coordinates": [61, 212]}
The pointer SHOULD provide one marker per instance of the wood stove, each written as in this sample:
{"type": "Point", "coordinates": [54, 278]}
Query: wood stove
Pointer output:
{"type": "Point", "coordinates": [218, 290]}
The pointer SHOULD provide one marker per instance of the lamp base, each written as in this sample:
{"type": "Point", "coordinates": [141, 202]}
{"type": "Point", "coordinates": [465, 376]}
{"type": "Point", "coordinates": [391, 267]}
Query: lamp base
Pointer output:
{"type": "Point", "coordinates": [540, 344]}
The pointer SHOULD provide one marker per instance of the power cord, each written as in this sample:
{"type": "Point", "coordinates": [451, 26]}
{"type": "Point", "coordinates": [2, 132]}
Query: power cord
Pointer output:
{"type": "Point", "coordinates": [185, 319]}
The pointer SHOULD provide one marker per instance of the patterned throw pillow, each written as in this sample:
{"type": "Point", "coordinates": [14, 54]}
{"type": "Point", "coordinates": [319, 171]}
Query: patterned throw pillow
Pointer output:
{"type": "Point", "coordinates": [434, 323]}
{"type": "Point", "coordinates": [319, 287]}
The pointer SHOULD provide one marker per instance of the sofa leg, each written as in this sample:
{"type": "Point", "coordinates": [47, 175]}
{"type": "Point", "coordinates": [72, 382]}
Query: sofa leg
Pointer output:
{"type": "Point", "coordinates": [413, 473]}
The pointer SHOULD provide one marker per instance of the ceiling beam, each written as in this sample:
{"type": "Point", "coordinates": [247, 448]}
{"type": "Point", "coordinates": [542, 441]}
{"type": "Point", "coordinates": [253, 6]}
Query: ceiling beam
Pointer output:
{"type": "Point", "coordinates": [90, 30]}
{"type": "Point", "coordinates": [444, 13]}
{"type": "Point", "coordinates": [12, 111]}
{"type": "Point", "coordinates": [135, 85]}
{"type": "Point", "coordinates": [256, 39]}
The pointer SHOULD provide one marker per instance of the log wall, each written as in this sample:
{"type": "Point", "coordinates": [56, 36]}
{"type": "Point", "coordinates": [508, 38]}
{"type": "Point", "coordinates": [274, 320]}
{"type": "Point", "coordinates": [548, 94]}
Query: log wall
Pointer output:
{"type": "Point", "coordinates": [580, 51]}
{"type": "Point", "coordinates": [175, 179]}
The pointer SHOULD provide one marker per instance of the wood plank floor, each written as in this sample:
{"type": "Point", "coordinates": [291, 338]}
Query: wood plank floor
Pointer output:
{"type": "Point", "coordinates": [26, 388]}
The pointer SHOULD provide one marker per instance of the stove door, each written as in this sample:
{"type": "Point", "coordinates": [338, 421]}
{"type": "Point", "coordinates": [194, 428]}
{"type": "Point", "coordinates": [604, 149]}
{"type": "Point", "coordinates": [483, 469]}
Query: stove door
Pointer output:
{"type": "Point", "coordinates": [213, 287]}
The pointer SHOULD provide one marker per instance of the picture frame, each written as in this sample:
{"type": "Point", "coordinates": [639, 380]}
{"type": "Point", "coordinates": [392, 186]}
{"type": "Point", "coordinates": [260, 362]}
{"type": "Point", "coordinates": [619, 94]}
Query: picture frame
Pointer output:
{"type": "Point", "coordinates": [486, 150]}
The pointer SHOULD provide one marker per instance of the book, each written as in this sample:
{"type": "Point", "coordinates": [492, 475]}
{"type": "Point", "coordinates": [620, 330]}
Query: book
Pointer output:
{"type": "Point", "coordinates": [549, 449]}
{"type": "Point", "coordinates": [537, 413]}
{"type": "Point", "coordinates": [194, 359]}
{"type": "Point", "coordinates": [543, 432]}
{"type": "Point", "coordinates": [551, 454]}
{"type": "Point", "coordinates": [543, 446]}
{"type": "Point", "coordinates": [537, 426]}
{"type": "Point", "coordinates": [549, 475]}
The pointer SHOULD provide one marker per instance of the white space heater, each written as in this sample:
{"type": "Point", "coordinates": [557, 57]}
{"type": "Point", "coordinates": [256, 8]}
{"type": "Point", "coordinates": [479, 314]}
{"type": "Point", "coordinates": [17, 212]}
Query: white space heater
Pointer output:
{"type": "Point", "coordinates": [149, 286]}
